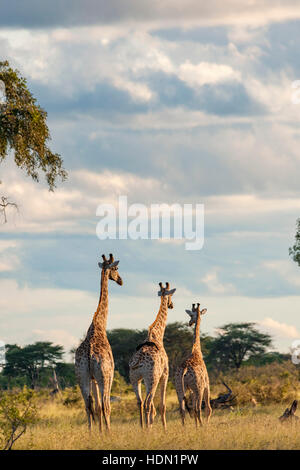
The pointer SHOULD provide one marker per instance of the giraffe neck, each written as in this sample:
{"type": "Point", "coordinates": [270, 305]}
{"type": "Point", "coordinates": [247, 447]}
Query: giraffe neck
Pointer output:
{"type": "Point", "coordinates": [156, 331]}
{"type": "Point", "coordinates": [100, 316]}
{"type": "Point", "coordinates": [197, 344]}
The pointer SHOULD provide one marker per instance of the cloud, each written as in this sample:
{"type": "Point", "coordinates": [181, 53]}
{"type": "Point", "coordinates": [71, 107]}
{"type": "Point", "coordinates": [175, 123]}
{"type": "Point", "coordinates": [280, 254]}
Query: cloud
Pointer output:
{"type": "Point", "coordinates": [70, 205]}
{"type": "Point", "coordinates": [215, 286]}
{"type": "Point", "coordinates": [60, 337]}
{"type": "Point", "coordinates": [9, 260]}
{"type": "Point", "coordinates": [206, 73]}
{"type": "Point", "coordinates": [287, 270]}
{"type": "Point", "coordinates": [281, 329]}
{"type": "Point", "coordinates": [77, 12]}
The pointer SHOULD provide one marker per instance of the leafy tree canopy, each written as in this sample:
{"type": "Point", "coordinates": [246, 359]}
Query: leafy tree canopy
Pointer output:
{"type": "Point", "coordinates": [30, 360]}
{"type": "Point", "coordinates": [24, 131]}
{"type": "Point", "coordinates": [235, 343]}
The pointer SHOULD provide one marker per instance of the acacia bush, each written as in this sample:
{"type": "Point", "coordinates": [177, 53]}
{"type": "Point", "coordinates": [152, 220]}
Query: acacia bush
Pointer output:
{"type": "Point", "coordinates": [271, 383]}
{"type": "Point", "coordinates": [18, 410]}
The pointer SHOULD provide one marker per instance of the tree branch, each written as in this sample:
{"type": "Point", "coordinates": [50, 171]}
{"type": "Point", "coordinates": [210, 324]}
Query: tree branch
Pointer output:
{"type": "Point", "coordinates": [4, 204]}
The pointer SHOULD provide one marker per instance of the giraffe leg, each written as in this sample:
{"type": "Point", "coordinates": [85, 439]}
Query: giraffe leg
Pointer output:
{"type": "Point", "coordinates": [106, 409]}
{"type": "Point", "coordinates": [199, 407]}
{"type": "Point", "coordinates": [152, 413]}
{"type": "Point", "coordinates": [208, 409]}
{"type": "Point", "coordinates": [195, 408]}
{"type": "Point", "coordinates": [95, 389]}
{"type": "Point", "coordinates": [163, 388]}
{"type": "Point", "coordinates": [84, 381]}
{"type": "Point", "coordinates": [150, 393]}
{"type": "Point", "coordinates": [104, 381]}
{"type": "Point", "coordinates": [88, 401]}
{"type": "Point", "coordinates": [180, 394]}
{"type": "Point", "coordinates": [137, 387]}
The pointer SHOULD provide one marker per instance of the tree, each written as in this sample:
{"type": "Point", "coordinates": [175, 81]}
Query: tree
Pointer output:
{"type": "Point", "coordinates": [123, 343]}
{"type": "Point", "coordinates": [24, 132]}
{"type": "Point", "coordinates": [235, 343]}
{"type": "Point", "coordinates": [31, 360]}
{"type": "Point", "coordinates": [17, 412]}
{"type": "Point", "coordinates": [295, 250]}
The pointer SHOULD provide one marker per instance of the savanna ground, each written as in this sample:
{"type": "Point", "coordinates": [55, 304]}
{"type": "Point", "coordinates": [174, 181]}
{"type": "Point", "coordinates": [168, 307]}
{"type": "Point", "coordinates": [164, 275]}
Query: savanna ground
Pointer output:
{"type": "Point", "coordinates": [63, 426]}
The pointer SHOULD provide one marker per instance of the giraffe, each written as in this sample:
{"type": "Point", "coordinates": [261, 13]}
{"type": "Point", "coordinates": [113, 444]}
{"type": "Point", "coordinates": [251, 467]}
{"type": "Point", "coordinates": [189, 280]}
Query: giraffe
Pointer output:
{"type": "Point", "coordinates": [94, 363]}
{"type": "Point", "coordinates": [192, 373]}
{"type": "Point", "coordinates": [150, 362]}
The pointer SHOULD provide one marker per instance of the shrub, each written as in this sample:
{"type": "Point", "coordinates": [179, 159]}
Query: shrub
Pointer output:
{"type": "Point", "coordinates": [272, 383]}
{"type": "Point", "coordinates": [17, 411]}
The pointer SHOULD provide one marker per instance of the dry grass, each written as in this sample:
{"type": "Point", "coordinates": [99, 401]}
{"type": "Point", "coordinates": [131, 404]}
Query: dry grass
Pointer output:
{"type": "Point", "coordinates": [65, 428]}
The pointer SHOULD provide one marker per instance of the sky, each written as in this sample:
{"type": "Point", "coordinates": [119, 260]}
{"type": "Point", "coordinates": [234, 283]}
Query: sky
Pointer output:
{"type": "Point", "coordinates": [164, 103]}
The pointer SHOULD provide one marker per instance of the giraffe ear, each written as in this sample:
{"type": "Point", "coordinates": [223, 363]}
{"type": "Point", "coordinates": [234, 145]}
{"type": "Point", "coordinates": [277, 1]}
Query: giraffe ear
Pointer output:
{"type": "Point", "coordinates": [170, 292]}
{"type": "Point", "coordinates": [100, 265]}
{"type": "Point", "coordinates": [114, 264]}
{"type": "Point", "coordinates": [189, 313]}
{"type": "Point", "coordinates": [203, 311]}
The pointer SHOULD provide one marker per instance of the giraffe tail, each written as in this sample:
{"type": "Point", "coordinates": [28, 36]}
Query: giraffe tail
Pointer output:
{"type": "Point", "coordinates": [183, 391]}
{"type": "Point", "coordinates": [134, 363]}
{"type": "Point", "coordinates": [91, 407]}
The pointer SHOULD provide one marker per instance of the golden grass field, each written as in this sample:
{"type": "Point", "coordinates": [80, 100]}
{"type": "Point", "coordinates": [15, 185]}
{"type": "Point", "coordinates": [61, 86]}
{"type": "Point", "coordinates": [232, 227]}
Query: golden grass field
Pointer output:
{"type": "Point", "coordinates": [246, 427]}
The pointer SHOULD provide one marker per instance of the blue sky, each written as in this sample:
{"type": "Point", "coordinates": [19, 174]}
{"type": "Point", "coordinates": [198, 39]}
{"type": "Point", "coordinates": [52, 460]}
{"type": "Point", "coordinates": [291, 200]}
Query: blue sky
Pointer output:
{"type": "Point", "coordinates": [165, 105]}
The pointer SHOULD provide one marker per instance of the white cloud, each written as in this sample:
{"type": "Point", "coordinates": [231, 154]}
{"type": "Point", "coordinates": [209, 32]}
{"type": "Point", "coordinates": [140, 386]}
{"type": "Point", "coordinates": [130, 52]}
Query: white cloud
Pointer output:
{"type": "Point", "coordinates": [60, 337]}
{"type": "Point", "coordinates": [206, 73]}
{"type": "Point", "coordinates": [9, 260]}
{"type": "Point", "coordinates": [287, 270]}
{"type": "Point", "coordinates": [281, 329]}
{"type": "Point", "coordinates": [215, 286]}
{"type": "Point", "coordinates": [73, 202]}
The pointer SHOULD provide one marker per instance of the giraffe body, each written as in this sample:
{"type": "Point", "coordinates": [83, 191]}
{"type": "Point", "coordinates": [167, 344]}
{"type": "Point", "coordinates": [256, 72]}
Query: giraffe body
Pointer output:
{"type": "Point", "coordinates": [192, 375]}
{"type": "Point", "coordinates": [150, 363]}
{"type": "Point", "coordinates": [94, 363]}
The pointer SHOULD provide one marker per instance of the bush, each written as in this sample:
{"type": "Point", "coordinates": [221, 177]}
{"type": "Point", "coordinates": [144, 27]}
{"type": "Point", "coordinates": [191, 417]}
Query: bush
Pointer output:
{"type": "Point", "coordinates": [272, 383]}
{"type": "Point", "coordinates": [17, 411]}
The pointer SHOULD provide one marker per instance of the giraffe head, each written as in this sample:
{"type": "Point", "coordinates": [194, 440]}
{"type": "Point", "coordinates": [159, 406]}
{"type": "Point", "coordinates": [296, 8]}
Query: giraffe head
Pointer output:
{"type": "Point", "coordinates": [194, 313]}
{"type": "Point", "coordinates": [111, 266]}
{"type": "Point", "coordinates": [166, 292]}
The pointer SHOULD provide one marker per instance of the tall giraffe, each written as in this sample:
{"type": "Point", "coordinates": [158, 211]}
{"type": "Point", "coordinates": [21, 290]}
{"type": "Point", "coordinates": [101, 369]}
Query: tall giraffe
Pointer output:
{"type": "Point", "coordinates": [192, 373]}
{"type": "Point", "coordinates": [150, 362]}
{"type": "Point", "coordinates": [94, 363]}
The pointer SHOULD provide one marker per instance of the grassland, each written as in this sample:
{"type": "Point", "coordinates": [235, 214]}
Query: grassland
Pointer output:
{"type": "Point", "coordinates": [246, 427]}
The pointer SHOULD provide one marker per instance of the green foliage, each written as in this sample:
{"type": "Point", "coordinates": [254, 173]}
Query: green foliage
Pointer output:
{"type": "Point", "coordinates": [295, 250]}
{"type": "Point", "coordinates": [235, 343]}
{"type": "Point", "coordinates": [65, 374]}
{"type": "Point", "coordinates": [119, 386]}
{"type": "Point", "coordinates": [123, 343]}
{"type": "Point", "coordinates": [17, 411]}
{"type": "Point", "coordinates": [23, 130]}
{"type": "Point", "coordinates": [267, 358]}
{"type": "Point", "coordinates": [31, 361]}
{"type": "Point", "coordinates": [270, 383]}
{"type": "Point", "coordinates": [72, 397]}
